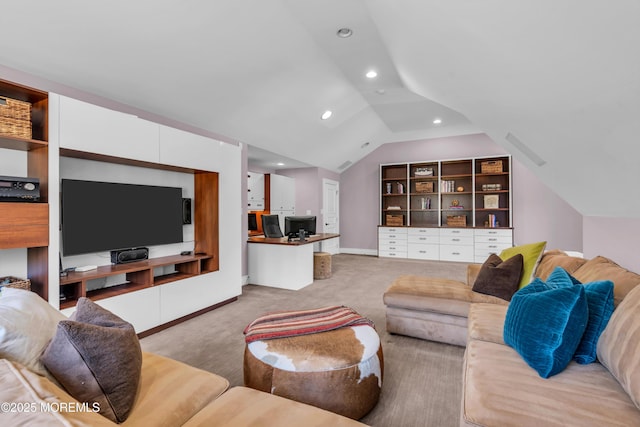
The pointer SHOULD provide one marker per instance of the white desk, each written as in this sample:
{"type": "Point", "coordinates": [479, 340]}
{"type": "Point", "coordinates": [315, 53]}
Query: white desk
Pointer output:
{"type": "Point", "coordinates": [278, 263]}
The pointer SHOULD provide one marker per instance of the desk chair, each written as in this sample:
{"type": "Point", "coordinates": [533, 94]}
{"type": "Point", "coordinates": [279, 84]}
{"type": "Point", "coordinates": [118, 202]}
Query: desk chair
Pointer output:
{"type": "Point", "coordinates": [271, 226]}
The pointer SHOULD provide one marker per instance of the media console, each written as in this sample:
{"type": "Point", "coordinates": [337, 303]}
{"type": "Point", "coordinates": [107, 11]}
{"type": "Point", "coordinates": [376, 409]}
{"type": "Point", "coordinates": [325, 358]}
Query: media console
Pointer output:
{"type": "Point", "coordinates": [280, 263]}
{"type": "Point", "coordinates": [138, 275]}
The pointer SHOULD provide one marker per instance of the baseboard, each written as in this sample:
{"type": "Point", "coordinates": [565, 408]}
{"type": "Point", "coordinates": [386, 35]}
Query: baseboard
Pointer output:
{"type": "Point", "coordinates": [183, 318]}
{"type": "Point", "coordinates": [356, 251]}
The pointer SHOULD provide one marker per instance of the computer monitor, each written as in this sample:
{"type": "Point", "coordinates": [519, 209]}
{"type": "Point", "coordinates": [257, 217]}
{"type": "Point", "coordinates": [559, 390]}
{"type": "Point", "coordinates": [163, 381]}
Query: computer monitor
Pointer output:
{"type": "Point", "coordinates": [293, 224]}
{"type": "Point", "coordinates": [253, 221]}
{"type": "Point", "coordinates": [271, 226]}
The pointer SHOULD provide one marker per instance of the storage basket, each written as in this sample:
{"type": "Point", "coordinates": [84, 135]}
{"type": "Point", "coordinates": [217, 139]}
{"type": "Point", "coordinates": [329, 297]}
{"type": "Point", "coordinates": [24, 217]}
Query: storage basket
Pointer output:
{"type": "Point", "coordinates": [14, 282]}
{"type": "Point", "coordinates": [457, 221]}
{"type": "Point", "coordinates": [15, 118]}
{"type": "Point", "coordinates": [424, 187]}
{"type": "Point", "coordinates": [395, 220]}
{"type": "Point", "coordinates": [491, 166]}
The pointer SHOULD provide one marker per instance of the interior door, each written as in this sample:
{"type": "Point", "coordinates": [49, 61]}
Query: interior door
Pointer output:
{"type": "Point", "coordinates": [330, 218]}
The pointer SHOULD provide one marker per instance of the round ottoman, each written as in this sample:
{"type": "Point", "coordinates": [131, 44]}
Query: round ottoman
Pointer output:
{"type": "Point", "coordinates": [321, 265]}
{"type": "Point", "coordinates": [339, 370]}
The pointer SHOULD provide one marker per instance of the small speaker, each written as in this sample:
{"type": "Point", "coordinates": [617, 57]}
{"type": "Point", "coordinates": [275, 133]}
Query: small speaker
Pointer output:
{"type": "Point", "coordinates": [186, 211]}
{"type": "Point", "coordinates": [129, 255]}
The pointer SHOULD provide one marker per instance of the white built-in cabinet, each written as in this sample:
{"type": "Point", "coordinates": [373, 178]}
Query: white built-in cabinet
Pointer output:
{"type": "Point", "coordinates": [255, 189]}
{"type": "Point", "coordinates": [282, 193]}
{"type": "Point", "coordinates": [90, 128]}
{"type": "Point", "coordinates": [87, 131]}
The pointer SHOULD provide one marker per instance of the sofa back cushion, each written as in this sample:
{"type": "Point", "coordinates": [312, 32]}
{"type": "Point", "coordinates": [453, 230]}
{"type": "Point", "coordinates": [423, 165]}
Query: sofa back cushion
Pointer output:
{"type": "Point", "coordinates": [619, 343]}
{"type": "Point", "coordinates": [557, 258]}
{"type": "Point", "coordinates": [601, 268]}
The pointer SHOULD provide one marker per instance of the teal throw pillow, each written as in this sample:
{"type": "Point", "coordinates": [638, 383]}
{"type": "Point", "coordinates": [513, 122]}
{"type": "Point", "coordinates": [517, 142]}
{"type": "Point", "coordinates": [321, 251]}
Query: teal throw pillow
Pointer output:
{"type": "Point", "coordinates": [545, 324]}
{"type": "Point", "coordinates": [600, 303]}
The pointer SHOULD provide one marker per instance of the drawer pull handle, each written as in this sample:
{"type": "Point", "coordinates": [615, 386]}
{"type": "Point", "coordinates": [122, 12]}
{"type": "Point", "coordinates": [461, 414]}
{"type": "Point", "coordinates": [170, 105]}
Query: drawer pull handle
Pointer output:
{"type": "Point", "coordinates": [455, 253]}
{"type": "Point", "coordinates": [455, 231]}
{"type": "Point", "coordinates": [422, 238]}
{"type": "Point", "coordinates": [492, 240]}
{"type": "Point", "coordinates": [455, 240]}
{"type": "Point", "coordinates": [493, 246]}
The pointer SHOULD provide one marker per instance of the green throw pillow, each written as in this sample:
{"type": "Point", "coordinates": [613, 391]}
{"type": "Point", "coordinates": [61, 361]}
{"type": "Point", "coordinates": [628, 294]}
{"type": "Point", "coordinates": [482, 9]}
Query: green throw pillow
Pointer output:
{"type": "Point", "coordinates": [531, 254]}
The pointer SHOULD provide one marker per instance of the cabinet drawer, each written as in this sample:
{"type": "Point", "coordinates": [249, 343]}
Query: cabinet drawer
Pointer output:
{"type": "Point", "coordinates": [392, 254]}
{"type": "Point", "coordinates": [392, 245]}
{"type": "Point", "coordinates": [456, 253]}
{"type": "Point", "coordinates": [423, 239]}
{"type": "Point", "coordinates": [503, 240]}
{"type": "Point", "coordinates": [420, 251]}
{"type": "Point", "coordinates": [493, 232]}
{"type": "Point", "coordinates": [456, 232]}
{"type": "Point", "coordinates": [392, 230]}
{"type": "Point", "coordinates": [491, 247]}
{"type": "Point", "coordinates": [456, 240]}
{"type": "Point", "coordinates": [423, 232]}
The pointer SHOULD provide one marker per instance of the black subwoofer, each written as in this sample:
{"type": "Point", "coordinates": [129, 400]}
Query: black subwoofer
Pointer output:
{"type": "Point", "coordinates": [123, 256]}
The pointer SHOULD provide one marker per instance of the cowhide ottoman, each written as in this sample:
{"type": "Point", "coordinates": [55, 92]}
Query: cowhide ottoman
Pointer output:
{"type": "Point", "coordinates": [339, 370]}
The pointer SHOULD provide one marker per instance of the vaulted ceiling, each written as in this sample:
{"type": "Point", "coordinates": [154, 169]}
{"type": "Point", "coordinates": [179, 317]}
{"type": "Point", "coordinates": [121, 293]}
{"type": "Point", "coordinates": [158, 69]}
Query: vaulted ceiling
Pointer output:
{"type": "Point", "coordinates": [556, 82]}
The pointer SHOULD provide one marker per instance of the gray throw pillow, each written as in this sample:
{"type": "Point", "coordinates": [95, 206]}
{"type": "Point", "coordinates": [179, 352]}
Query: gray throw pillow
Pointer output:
{"type": "Point", "coordinates": [97, 359]}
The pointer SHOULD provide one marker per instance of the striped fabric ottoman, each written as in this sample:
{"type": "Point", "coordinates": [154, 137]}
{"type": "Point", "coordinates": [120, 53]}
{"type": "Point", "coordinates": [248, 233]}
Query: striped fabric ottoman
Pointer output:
{"type": "Point", "coordinates": [330, 358]}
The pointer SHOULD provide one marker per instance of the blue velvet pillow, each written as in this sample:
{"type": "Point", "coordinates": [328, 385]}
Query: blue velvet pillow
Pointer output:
{"type": "Point", "coordinates": [600, 303]}
{"type": "Point", "coordinates": [545, 324]}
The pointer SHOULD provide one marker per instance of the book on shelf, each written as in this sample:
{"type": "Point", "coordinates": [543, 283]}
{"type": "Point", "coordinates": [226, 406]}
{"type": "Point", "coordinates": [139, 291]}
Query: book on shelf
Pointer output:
{"type": "Point", "coordinates": [394, 208]}
{"type": "Point", "coordinates": [456, 207]}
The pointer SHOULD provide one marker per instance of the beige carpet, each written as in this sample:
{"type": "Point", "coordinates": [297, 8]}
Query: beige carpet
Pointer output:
{"type": "Point", "coordinates": [422, 379]}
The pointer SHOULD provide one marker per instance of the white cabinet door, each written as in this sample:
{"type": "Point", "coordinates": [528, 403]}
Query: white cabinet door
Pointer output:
{"type": "Point", "coordinates": [392, 242]}
{"type": "Point", "coordinates": [282, 193]}
{"type": "Point", "coordinates": [94, 129]}
{"type": "Point", "coordinates": [180, 148]}
{"type": "Point", "coordinates": [255, 188]}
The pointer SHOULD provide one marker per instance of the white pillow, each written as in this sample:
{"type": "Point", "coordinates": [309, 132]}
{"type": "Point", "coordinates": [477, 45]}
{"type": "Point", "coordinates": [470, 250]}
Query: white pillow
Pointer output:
{"type": "Point", "coordinates": [27, 324]}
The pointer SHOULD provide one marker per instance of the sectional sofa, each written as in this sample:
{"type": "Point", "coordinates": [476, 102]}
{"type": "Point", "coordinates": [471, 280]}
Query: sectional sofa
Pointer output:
{"type": "Point", "coordinates": [499, 387]}
{"type": "Point", "coordinates": [166, 392]}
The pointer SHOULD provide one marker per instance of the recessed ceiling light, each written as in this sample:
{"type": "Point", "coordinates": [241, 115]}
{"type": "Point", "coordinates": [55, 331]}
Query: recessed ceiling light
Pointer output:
{"type": "Point", "coordinates": [380, 91]}
{"type": "Point", "coordinates": [326, 115]}
{"type": "Point", "coordinates": [371, 74]}
{"type": "Point", "coordinates": [437, 121]}
{"type": "Point", "coordinates": [280, 164]}
{"type": "Point", "coordinates": [344, 33]}
{"type": "Point", "coordinates": [366, 144]}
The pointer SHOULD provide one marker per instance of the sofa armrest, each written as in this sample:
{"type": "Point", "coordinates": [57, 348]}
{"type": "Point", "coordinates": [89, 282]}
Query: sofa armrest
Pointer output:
{"type": "Point", "coordinates": [472, 273]}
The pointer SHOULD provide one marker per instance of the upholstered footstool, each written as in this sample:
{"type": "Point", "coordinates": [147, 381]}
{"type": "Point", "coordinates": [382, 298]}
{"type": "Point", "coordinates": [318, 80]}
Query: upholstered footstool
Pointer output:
{"type": "Point", "coordinates": [321, 265]}
{"type": "Point", "coordinates": [339, 370]}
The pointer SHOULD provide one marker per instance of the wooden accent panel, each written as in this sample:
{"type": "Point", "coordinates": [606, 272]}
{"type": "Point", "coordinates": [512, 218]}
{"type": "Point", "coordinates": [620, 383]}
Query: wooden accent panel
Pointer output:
{"type": "Point", "coordinates": [38, 271]}
{"type": "Point", "coordinates": [38, 167]}
{"type": "Point", "coordinates": [75, 154]}
{"type": "Point", "coordinates": [207, 218]}
{"type": "Point", "coordinates": [267, 194]}
{"type": "Point", "coordinates": [24, 225]}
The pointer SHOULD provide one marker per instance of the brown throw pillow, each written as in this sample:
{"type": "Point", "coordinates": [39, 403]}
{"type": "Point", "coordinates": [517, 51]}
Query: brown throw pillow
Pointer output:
{"type": "Point", "coordinates": [499, 278]}
{"type": "Point", "coordinates": [97, 359]}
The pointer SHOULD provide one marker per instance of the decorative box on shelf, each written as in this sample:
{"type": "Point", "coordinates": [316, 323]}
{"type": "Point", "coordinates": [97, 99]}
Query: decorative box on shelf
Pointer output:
{"type": "Point", "coordinates": [457, 221]}
{"type": "Point", "coordinates": [491, 187]}
{"type": "Point", "coordinates": [15, 118]}
{"type": "Point", "coordinates": [395, 220]}
{"type": "Point", "coordinates": [423, 172]}
{"type": "Point", "coordinates": [424, 187]}
{"type": "Point", "coordinates": [491, 201]}
{"type": "Point", "coordinates": [491, 166]}
{"type": "Point", "coordinates": [14, 282]}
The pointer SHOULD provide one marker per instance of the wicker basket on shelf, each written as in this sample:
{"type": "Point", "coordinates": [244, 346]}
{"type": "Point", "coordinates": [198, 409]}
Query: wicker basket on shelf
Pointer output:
{"type": "Point", "coordinates": [395, 220]}
{"type": "Point", "coordinates": [15, 118]}
{"type": "Point", "coordinates": [457, 221]}
{"type": "Point", "coordinates": [424, 187]}
{"type": "Point", "coordinates": [491, 166]}
{"type": "Point", "coordinates": [14, 282]}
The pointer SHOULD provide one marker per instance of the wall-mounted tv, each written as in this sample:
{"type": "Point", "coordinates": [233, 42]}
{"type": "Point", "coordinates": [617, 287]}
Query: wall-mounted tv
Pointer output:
{"type": "Point", "coordinates": [103, 216]}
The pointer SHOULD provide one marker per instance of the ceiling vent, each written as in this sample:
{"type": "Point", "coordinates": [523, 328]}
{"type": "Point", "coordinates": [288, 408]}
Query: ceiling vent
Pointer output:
{"type": "Point", "coordinates": [524, 149]}
{"type": "Point", "coordinates": [344, 165]}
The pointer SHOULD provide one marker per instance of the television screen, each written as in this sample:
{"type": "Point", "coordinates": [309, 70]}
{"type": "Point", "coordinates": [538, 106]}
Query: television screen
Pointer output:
{"type": "Point", "coordinates": [293, 224]}
{"type": "Point", "coordinates": [253, 222]}
{"type": "Point", "coordinates": [102, 216]}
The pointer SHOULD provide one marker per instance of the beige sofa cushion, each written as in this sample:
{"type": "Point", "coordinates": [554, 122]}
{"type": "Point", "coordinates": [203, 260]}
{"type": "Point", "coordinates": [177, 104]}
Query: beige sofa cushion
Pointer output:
{"type": "Point", "coordinates": [601, 268]}
{"type": "Point", "coordinates": [171, 392]}
{"type": "Point", "coordinates": [557, 258]}
{"type": "Point", "coordinates": [619, 345]}
{"type": "Point", "coordinates": [243, 406]}
{"type": "Point", "coordinates": [500, 389]}
{"type": "Point", "coordinates": [39, 403]}
{"type": "Point", "coordinates": [486, 322]}
{"type": "Point", "coordinates": [435, 294]}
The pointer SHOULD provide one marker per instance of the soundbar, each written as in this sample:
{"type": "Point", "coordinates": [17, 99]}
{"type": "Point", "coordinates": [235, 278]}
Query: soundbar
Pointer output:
{"type": "Point", "coordinates": [123, 256]}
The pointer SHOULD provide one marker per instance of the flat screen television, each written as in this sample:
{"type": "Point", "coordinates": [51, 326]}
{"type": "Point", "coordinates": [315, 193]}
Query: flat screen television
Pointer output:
{"type": "Point", "coordinates": [253, 221]}
{"type": "Point", "coordinates": [102, 216]}
{"type": "Point", "coordinates": [293, 225]}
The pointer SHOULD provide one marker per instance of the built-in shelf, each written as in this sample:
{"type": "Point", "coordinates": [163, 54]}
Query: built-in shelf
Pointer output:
{"type": "Point", "coordinates": [138, 275]}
